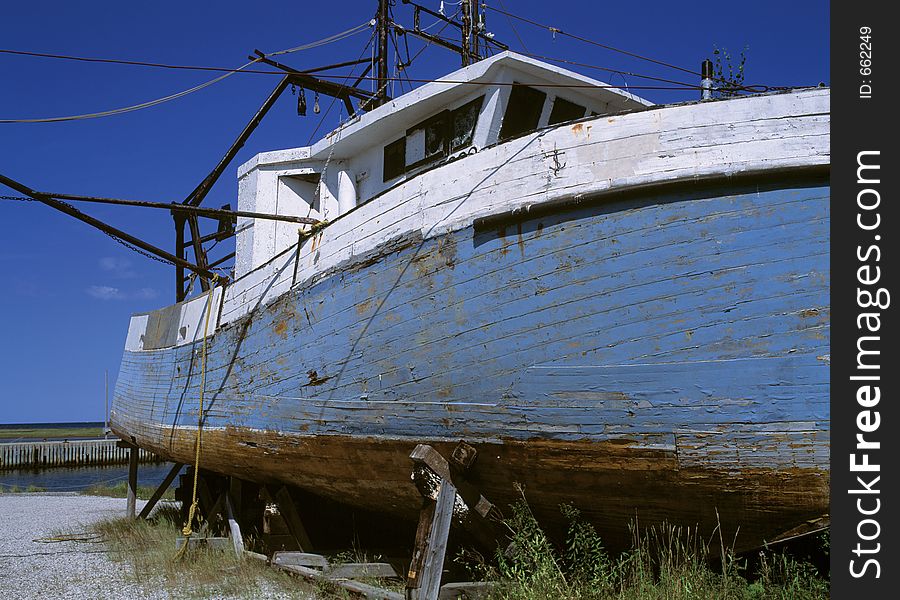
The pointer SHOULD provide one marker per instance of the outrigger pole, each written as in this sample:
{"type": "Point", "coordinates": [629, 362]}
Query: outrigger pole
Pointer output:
{"type": "Point", "coordinates": [108, 229]}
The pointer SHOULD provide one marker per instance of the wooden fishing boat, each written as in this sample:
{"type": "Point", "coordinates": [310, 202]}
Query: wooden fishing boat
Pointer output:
{"type": "Point", "coordinates": [620, 305]}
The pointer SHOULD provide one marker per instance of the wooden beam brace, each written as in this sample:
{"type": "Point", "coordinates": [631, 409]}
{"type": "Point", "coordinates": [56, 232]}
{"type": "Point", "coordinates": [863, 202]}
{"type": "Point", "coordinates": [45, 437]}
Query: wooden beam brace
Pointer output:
{"type": "Point", "coordinates": [132, 481]}
{"type": "Point", "coordinates": [292, 518]}
{"type": "Point", "coordinates": [234, 527]}
{"type": "Point", "coordinates": [482, 517]}
{"type": "Point", "coordinates": [160, 490]}
{"type": "Point", "coordinates": [424, 577]}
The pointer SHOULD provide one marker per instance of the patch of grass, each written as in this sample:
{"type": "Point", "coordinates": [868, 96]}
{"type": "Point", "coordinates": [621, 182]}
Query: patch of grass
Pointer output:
{"type": "Point", "coordinates": [50, 433]}
{"type": "Point", "coordinates": [664, 563]}
{"type": "Point", "coordinates": [120, 490]}
{"type": "Point", "coordinates": [149, 548]}
{"type": "Point", "coordinates": [14, 489]}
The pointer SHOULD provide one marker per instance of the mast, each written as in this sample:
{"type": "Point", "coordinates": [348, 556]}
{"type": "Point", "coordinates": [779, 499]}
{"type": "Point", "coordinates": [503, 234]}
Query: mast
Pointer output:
{"type": "Point", "coordinates": [382, 58]}
{"type": "Point", "coordinates": [466, 32]}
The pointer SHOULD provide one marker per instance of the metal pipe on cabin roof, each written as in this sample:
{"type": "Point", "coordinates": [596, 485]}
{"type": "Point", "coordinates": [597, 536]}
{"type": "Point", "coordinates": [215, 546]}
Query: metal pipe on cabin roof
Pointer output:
{"type": "Point", "coordinates": [706, 83]}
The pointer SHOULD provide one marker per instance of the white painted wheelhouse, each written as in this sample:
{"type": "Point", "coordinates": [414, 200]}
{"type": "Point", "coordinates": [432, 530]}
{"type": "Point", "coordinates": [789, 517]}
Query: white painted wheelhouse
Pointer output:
{"type": "Point", "coordinates": [459, 114]}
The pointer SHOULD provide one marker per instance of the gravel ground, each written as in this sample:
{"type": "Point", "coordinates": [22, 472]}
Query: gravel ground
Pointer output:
{"type": "Point", "coordinates": [30, 569]}
{"type": "Point", "coordinates": [78, 570]}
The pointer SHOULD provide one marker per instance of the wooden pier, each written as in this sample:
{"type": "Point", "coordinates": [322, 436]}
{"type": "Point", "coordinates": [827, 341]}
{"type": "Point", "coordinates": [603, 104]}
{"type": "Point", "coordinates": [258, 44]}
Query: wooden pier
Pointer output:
{"type": "Point", "coordinates": [64, 453]}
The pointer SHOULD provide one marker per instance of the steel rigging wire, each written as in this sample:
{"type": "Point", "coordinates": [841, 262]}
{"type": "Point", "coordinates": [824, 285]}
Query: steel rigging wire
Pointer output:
{"type": "Point", "coordinates": [328, 40]}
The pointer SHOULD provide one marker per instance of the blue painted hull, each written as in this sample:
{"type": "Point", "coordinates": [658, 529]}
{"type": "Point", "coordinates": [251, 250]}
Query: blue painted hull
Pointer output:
{"type": "Point", "coordinates": [665, 354]}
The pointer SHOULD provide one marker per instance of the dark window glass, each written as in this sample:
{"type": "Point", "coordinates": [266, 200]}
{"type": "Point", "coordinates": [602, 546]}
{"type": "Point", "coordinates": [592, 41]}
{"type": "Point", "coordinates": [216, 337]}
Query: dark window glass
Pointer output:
{"type": "Point", "coordinates": [436, 137]}
{"type": "Point", "coordinates": [395, 159]}
{"type": "Point", "coordinates": [563, 111]}
{"type": "Point", "coordinates": [522, 112]}
{"type": "Point", "coordinates": [464, 120]}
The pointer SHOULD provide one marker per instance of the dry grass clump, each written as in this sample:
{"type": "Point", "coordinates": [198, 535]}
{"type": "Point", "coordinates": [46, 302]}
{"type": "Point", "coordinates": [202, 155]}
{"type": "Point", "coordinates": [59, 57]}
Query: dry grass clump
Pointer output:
{"type": "Point", "coordinates": [664, 563]}
{"type": "Point", "coordinates": [120, 490]}
{"type": "Point", "coordinates": [15, 489]}
{"type": "Point", "coordinates": [149, 547]}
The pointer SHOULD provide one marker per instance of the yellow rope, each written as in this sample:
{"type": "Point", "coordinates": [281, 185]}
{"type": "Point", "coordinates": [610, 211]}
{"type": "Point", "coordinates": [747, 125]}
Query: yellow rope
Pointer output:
{"type": "Point", "coordinates": [187, 531]}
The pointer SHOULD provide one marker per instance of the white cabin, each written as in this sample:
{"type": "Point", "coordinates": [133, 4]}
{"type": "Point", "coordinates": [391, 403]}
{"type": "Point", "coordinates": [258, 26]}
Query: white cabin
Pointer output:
{"type": "Point", "coordinates": [463, 112]}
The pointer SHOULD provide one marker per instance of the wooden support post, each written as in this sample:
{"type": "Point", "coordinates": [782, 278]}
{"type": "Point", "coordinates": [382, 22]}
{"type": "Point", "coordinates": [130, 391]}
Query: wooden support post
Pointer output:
{"type": "Point", "coordinates": [234, 488]}
{"type": "Point", "coordinates": [424, 577]}
{"type": "Point", "coordinates": [145, 512]}
{"type": "Point", "coordinates": [447, 495]}
{"type": "Point", "coordinates": [292, 519]}
{"type": "Point", "coordinates": [233, 526]}
{"type": "Point", "coordinates": [132, 481]}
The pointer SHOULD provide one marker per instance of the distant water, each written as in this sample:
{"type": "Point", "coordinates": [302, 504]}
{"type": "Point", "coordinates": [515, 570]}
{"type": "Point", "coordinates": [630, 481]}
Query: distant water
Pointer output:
{"type": "Point", "coordinates": [75, 480]}
{"type": "Point", "coordinates": [72, 425]}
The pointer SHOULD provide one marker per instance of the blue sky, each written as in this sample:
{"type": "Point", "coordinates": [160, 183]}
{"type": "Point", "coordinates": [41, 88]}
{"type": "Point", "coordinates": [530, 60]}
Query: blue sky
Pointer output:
{"type": "Point", "coordinates": [67, 290]}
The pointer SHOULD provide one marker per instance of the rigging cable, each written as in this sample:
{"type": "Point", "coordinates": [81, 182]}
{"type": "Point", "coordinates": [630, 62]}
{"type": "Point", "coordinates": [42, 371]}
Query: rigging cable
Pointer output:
{"type": "Point", "coordinates": [150, 103]}
{"type": "Point", "coordinates": [557, 30]}
{"type": "Point", "coordinates": [514, 30]}
{"type": "Point", "coordinates": [111, 235]}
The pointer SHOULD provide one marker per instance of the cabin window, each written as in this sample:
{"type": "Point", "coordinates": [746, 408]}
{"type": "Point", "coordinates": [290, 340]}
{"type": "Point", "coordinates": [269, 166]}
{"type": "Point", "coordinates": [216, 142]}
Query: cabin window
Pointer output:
{"type": "Point", "coordinates": [523, 111]}
{"type": "Point", "coordinates": [436, 136]}
{"type": "Point", "coordinates": [441, 134]}
{"type": "Point", "coordinates": [394, 159]}
{"type": "Point", "coordinates": [464, 120]}
{"type": "Point", "coordinates": [563, 111]}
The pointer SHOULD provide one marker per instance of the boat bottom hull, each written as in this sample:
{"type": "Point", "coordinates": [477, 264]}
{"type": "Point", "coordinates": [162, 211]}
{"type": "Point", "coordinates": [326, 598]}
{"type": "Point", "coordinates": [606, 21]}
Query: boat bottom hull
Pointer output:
{"type": "Point", "coordinates": [612, 483]}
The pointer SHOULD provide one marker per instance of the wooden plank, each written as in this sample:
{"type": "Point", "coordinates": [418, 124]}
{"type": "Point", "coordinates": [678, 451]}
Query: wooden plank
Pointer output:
{"type": "Point", "coordinates": [475, 520]}
{"type": "Point", "coordinates": [256, 555]}
{"type": "Point", "coordinates": [430, 579]}
{"type": "Point", "coordinates": [358, 570]}
{"type": "Point", "coordinates": [292, 518]}
{"type": "Point", "coordinates": [234, 489]}
{"type": "Point", "coordinates": [234, 527]}
{"type": "Point", "coordinates": [132, 481]}
{"type": "Point", "coordinates": [299, 559]}
{"type": "Point", "coordinates": [160, 490]}
{"type": "Point", "coordinates": [366, 591]}
{"type": "Point", "coordinates": [417, 564]}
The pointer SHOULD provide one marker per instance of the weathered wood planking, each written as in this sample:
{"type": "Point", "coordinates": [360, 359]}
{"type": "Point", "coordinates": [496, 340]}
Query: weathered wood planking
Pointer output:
{"type": "Point", "coordinates": [630, 353]}
{"type": "Point", "coordinates": [679, 143]}
{"type": "Point", "coordinates": [75, 453]}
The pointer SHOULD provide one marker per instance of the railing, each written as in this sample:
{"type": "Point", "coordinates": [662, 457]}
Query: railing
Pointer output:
{"type": "Point", "coordinates": [75, 453]}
